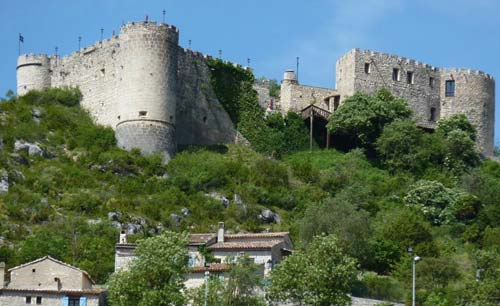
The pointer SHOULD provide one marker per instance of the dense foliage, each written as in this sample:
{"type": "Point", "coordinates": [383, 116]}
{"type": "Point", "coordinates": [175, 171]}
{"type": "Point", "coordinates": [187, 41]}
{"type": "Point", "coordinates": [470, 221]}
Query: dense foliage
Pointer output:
{"type": "Point", "coordinates": [155, 276]}
{"type": "Point", "coordinates": [400, 187]}
{"type": "Point", "coordinates": [320, 275]}
{"type": "Point", "coordinates": [273, 135]}
{"type": "Point", "coordinates": [238, 288]}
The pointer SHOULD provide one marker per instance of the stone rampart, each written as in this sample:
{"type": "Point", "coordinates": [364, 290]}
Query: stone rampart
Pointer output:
{"type": "Point", "coordinates": [141, 83]}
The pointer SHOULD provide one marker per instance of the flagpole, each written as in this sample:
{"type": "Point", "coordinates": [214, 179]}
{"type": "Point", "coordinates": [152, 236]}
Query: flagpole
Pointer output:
{"type": "Point", "coordinates": [19, 43]}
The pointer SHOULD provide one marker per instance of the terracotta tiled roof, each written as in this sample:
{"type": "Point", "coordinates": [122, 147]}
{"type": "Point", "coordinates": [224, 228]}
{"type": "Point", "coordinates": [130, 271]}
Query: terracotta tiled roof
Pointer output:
{"type": "Point", "coordinates": [199, 239]}
{"type": "Point", "coordinates": [54, 260]}
{"type": "Point", "coordinates": [245, 245]}
{"type": "Point", "coordinates": [256, 235]}
{"type": "Point", "coordinates": [62, 292]}
{"type": "Point", "coordinates": [215, 267]}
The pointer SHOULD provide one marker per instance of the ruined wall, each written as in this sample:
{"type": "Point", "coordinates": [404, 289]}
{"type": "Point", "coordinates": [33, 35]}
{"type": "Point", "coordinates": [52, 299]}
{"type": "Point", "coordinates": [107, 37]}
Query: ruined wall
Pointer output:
{"type": "Point", "coordinates": [475, 97]}
{"type": "Point", "coordinates": [422, 94]}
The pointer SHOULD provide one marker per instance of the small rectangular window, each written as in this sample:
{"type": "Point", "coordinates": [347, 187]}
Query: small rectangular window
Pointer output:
{"type": "Point", "coordinates": [450, 88]}
{"type": "Point", "coordinates": [143, 113]}
{"type": "Point", "coordinates": [367, 68]}
{"type": "Point", "coordinates": [74, 301]}
{"type": "Point", "coordinates": [433, 114]}
{"type": "Point", "coordinates": [409, 77]}
{"type": "Point", "coordinates": [39, 300]}
{"type": "Point", "coordinates": [28, 300]}
{"type": "Point", "coordinates": [395, 74]}
{"type": "Point", "coordinates": [431, 82]}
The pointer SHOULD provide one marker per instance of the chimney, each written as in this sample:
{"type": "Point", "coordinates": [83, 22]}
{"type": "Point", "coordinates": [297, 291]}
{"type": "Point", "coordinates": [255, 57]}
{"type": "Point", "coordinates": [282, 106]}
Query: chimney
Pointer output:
{"type": "Point", "coordinates": [123, 237]}
{"type": "Point", "coordinates": [2, 274]}
{"type": "Point", "coordinates": [220, 232]}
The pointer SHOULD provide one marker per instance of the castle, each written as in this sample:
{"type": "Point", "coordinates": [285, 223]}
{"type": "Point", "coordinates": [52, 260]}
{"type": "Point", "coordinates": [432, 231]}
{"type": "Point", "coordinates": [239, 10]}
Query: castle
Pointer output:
{"type": "Point", "coordinates": [157, 95]}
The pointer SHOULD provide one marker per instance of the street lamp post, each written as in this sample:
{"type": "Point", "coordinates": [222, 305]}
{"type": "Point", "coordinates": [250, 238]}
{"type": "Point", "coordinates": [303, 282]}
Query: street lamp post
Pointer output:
{"type": "Point", "coordinates": [414, 260]}
{"type": "Point", "coordinates": [207, 275]}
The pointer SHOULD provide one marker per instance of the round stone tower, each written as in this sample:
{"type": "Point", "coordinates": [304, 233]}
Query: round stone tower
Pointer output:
{"type": "Point", "coordinates": [33, 73]}
{"type": "Point", "coordinates": [146, 87]}
{"type": "Point", "coordinates": [472, 93]}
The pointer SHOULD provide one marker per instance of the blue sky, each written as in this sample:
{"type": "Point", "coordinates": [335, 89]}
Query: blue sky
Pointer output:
{"type": "Point", "coordinates": [272, 33]}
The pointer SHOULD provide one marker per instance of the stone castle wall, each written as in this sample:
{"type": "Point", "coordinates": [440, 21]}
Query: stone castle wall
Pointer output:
{"type": "Point", "coordinates": [474, 97]}
{"type": "Point", "coordinates": [142, 84]}
{"type": "Point", "coordinates": [295, 97]}
{"type": "Point", "coordinates": [421, 95]}
{"type": "Point", "coordinates": [422, 85]}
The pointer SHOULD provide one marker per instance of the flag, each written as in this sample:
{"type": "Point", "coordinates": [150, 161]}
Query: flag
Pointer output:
{"type": "Point", "coordinates": [21, 38]}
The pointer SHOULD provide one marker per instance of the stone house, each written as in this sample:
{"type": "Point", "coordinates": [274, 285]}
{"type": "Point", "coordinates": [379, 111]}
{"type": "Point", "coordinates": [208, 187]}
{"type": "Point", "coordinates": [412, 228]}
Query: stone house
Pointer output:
{"type": "Point", "coordinates": [265, 249]}
{"type": "Point", "coordinates": [48, 281]}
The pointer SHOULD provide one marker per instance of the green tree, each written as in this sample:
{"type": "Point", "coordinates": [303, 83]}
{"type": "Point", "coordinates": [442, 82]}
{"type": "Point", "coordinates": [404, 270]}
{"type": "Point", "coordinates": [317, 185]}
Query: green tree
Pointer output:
{"type": "Point", "coordinates": [361, 118]}
{"type": "Point", "coordinates": [238, 288]}
{"type": "Point", "coordinates": [442, 205]}
{"type": "Point", "coordinates": [337, 216]}
{"type": "Point", "coordinates": [321, 275]}
{"type": "Point", "coordinates": [156, 276]}
{"type": "Point", "coordinates": [399, 146]}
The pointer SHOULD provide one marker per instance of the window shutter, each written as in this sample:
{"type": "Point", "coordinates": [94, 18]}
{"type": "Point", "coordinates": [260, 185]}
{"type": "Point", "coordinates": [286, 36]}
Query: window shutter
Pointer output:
{"type": "Point", "coordinates": [65, 301]}
{"type": "Point", "coordinates": [83, 301]}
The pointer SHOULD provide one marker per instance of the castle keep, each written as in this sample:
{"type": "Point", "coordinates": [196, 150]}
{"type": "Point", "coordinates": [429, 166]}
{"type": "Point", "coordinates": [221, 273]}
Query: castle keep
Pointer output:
{"type": "Point", "coordinates": [157, 95]}
{"type": "Point", "coordinates": [432, 93]}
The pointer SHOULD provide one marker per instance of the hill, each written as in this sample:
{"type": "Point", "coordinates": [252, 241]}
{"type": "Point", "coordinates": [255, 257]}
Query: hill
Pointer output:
{"type": "Point", "coordinates": [66, 190]}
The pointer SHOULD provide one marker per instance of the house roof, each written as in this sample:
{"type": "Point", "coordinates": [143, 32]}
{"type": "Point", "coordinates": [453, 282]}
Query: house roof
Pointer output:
{"type": "Point", "coordinates": [200, 239]}
{"type": "Point", "coordinates": [245, 245]}
{"type": "Point", "coordinates": [54, 260]}
{"type": "Point", "coordinates": [58, 292]}
{"type": "Point", "coordinates": [256, 235]}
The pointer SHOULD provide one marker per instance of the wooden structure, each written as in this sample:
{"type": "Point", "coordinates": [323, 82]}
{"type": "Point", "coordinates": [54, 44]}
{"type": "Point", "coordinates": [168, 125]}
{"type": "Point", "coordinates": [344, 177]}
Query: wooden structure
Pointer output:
{"type": "Point", "coordinates": [313, 111]}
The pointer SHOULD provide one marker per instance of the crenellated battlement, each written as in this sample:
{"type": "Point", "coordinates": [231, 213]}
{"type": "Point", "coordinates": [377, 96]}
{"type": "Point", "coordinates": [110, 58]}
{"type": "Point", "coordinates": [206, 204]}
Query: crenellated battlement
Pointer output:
{"type": "Point", "coordinates": [466, 71]}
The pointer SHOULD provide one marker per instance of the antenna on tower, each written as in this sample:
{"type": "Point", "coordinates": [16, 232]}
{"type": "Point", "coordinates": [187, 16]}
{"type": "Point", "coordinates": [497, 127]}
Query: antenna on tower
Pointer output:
{"type": "Point", "coordinates": [79, 42]}
{"type": "Point", "coordinates": [220, 54]}
{"type": "Point", "coordinates": [102, 33]}
{"type": "Point", "coordinates": [164, 16]}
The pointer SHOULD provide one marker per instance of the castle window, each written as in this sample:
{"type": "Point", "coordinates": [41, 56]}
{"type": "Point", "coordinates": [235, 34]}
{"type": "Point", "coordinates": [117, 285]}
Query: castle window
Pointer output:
{"type": "Point", "coordinates": [143, 113]}
{"type": "Point", "coordinates": [74, 301]}
{"type": "Point", "coordinates": [431, 82]}
{"type": "Point", "coordinates": [450, 88]}
{"type": "Point", "coordinates": [409, 77]}
{"type": "Point", "coordinates": [367, 68]}
{"type": "Point", "coordinates": [39, 300]}
{"type": "Point", "coordinates": [33, 270]}
{"type": "Point", "coordinates": [395, 74]}
{"type": "Point", "coordinates": [433, 114]}
{"type": "Point", "coordinates": [28, 300]}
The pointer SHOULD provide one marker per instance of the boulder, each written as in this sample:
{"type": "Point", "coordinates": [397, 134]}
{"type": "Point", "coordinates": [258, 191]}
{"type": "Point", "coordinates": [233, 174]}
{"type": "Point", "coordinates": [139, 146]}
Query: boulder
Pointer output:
{"type": "Point", "coordinates": [19, 159]}
{"type": "Point", "coordinates": [114, 216]}
{"type": "Point", "coordinates": [219, 197]}
{"type": "Point", "coordinates": [176, 219]}
{"type": "Point", "coordinates": [185, 211]}
{"type": "Point", "coordinates": [116, 224]}
{"type": "Point", "coordinates": [36, 113]}
{"type": "Point", "coordinates": [4, 181]}
{"type": "Point", "coordinates": [268, 216]}
{"type": "Point", "coordinates": [33, 149]}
